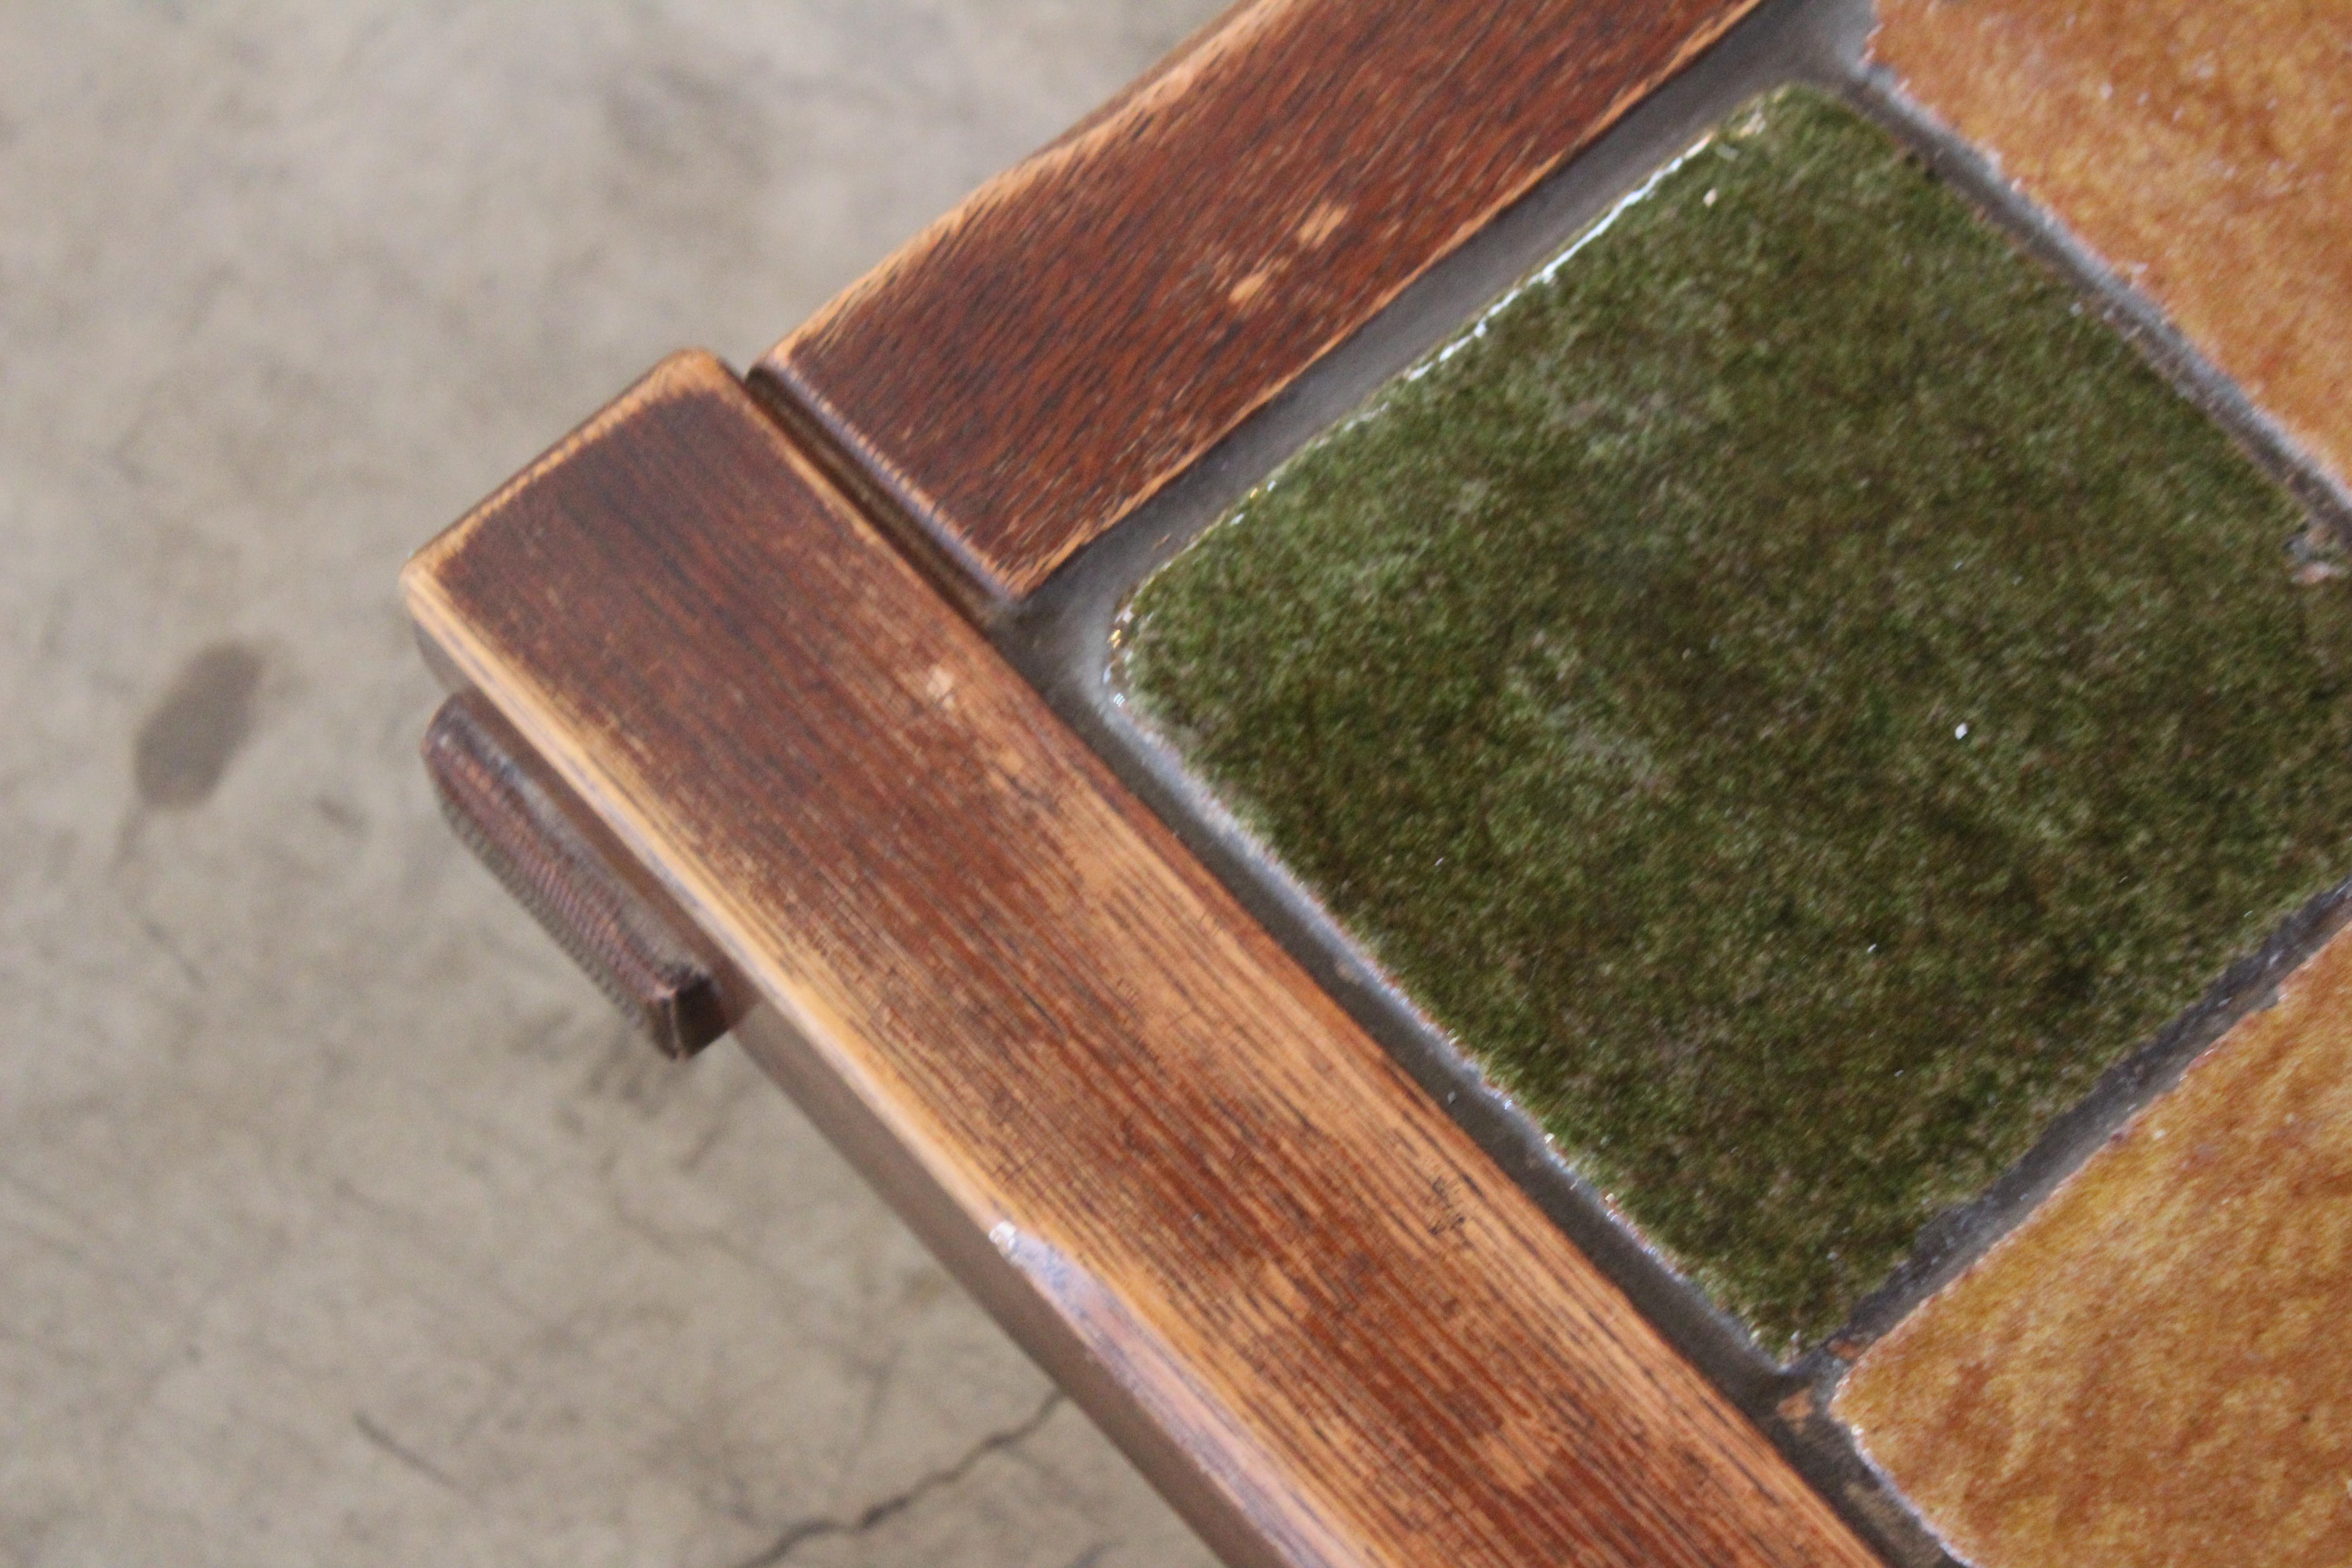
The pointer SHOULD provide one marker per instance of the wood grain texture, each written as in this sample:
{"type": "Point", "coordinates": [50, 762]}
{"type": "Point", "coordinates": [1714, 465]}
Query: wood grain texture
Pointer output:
{"type": "Point", "coordinates": [585, 890]}
{"type": "Point", "coordinates": [1040, 361]}
{"type": "Point", "coordinates": [1366, 1343]}
{"type": "Point", "coordinates": [2204, 151]}
{"type": "Point", "coordinates": [2154, 1370]}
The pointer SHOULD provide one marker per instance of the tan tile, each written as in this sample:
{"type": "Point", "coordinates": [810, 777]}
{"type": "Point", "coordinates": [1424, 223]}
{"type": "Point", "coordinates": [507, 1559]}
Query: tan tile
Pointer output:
{"type": "Point", "coordinates": [2156, 1367]}
{"type": "Point", "coordinates": [2204, 150]}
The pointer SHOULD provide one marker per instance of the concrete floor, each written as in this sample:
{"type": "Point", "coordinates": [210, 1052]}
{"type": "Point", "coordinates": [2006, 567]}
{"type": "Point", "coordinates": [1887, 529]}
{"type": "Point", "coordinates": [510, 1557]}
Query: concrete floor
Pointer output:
{"type": "Point", "coordinates": [339, 1222]}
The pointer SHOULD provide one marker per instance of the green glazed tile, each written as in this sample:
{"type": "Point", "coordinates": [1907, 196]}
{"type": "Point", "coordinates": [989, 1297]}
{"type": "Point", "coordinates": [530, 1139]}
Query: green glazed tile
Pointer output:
{"type": "Point", "coordinates": [1789, 689]}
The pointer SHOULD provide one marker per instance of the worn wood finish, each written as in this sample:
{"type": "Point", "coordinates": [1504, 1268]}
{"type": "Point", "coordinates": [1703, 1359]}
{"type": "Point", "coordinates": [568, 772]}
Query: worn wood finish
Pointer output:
{"type": "Point", "coordinates": [1040, 361]}
{"type": "Point", "coordinates": [1365, 1343]}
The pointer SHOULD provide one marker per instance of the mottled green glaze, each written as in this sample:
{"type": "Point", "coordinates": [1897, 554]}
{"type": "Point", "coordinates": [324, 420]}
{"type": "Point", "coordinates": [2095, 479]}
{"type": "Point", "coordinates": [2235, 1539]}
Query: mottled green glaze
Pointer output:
{"type": "Point", "coordinates": [1791, 690]}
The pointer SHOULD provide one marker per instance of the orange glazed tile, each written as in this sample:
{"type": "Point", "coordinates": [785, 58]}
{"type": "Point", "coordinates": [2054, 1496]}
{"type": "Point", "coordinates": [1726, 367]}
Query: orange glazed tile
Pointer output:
{"type": "Point", "coordinates": [2156, 1368]}
{"type": "Point", "coordinates": [2203, 147]}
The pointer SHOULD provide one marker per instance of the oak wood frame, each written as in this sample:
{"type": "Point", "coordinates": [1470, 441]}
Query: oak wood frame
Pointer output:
{"type": "Point", "coordinates": [1326, 1324]}
{"type": "Point", "coordinates": [1255, 1247]}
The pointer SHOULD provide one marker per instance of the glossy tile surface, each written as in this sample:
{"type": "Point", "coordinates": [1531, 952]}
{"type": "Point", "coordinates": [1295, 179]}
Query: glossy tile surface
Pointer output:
{"type": "Point", "coordinates": [2204, 150]}
{"type": "Point", "coordinates": [1795, 697]}
{"type": "Point", "coordinates": [2155, 1370]}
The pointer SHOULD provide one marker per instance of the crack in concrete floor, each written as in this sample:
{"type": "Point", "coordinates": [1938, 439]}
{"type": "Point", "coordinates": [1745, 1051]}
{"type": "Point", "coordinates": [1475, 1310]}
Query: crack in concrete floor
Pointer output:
{"type": "Point", "coordinates": [889, 1508]}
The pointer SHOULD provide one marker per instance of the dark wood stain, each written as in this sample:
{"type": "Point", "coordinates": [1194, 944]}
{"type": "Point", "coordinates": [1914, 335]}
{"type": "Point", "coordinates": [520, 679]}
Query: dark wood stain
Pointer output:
{"type": "Point", "coordinates": [563, 866]}
{"type": "Point", "coordinates": [1364, 1341]}
{"type": "Point", "coordinates": [1044, 358]}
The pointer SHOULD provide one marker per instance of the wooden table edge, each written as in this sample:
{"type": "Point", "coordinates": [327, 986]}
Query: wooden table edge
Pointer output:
{"type": "Point", "coordinates": [1251, 1504]}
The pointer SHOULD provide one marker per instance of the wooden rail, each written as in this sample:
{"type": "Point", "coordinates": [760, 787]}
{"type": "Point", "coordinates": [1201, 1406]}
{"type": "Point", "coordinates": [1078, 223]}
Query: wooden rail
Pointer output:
{"type": "Point", "coordinates": [1041, 360]}
{"type": "Point", "coordinates": [1323, 1321]}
